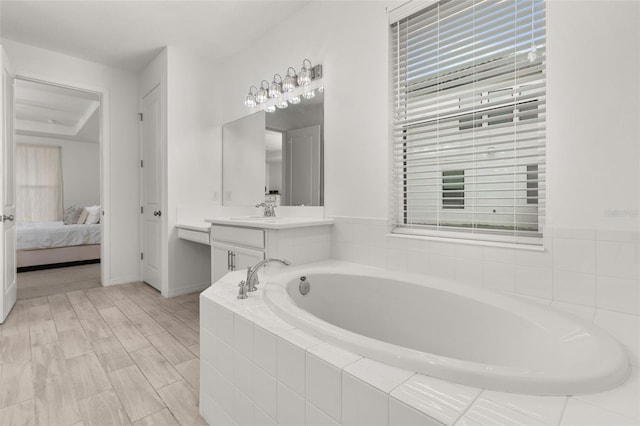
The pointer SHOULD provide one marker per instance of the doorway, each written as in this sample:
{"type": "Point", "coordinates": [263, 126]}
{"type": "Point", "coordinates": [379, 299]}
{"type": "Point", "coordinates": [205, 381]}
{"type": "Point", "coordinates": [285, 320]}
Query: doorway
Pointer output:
{"type": "Point", "coordinates": [59, 187]}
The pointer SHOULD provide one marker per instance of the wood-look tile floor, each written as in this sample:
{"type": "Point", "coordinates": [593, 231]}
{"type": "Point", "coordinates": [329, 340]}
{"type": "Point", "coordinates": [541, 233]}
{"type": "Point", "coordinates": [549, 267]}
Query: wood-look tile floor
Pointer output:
{"type": "Point", "coordinates": [46, 282]}
{"type": "Point", "coordinates": [116, 355]}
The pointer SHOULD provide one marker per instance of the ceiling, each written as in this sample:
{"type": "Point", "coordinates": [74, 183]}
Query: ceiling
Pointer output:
{"type": "Point", "coordinates": [129, 34]}
{"type": "Point", "coordinates": [57, 112]}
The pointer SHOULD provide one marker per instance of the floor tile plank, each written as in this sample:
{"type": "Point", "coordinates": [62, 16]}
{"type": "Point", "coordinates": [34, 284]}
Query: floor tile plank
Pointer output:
{"type": "Point", "coordinates": [47, 361]}
{"type": "Point", "coordinates": [17, 383]}
{"type": "Point", "coordinates": [103, 409]}
{"type": "Point", "coordinates": [155, 367]}
{"type": "Point", "coordinates": [74, 342]}
{"type": "Point", "coordinates": [134, 391]}
{"type": "Point", "coordinates": [182, 402]}
{"type": "Point", "coordinates": [66, 320]}
{"type": "Point", "coordinates": [184, 334]}
{"type": "Point", "coordinates": [43, 332]}
{"type": "Point", "coordinates": [130, 337]}
{"type": "Point", "coordinates": [15, 347]}
{"type": "Point", "coordinates": [87, 375]}
{"type": "Point", "coordinates": [55, 402]}
{"type": "Point", "coordinates": [190, 371]}
{"type": "Point", "coordinates": [170, 348]}
{"type": "Point", "coordinates": [163, 417]}
{"type": "Point", "coordinates": [22, 414]}
{"type": "Point", "coordinates": [111, 354]}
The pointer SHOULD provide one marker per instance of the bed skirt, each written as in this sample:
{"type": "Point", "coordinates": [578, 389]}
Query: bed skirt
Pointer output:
{"type": "Point", "coordinates": [28, 258]}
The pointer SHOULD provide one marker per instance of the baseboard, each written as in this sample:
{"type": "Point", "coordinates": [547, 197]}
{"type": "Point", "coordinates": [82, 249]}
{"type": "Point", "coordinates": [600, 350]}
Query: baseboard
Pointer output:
{"type": "Point", "coordinates": [186, 290]}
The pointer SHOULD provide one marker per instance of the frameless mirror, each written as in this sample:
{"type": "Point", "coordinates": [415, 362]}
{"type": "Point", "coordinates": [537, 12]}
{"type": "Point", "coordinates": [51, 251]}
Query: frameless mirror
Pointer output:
{"type": "Point", "coordinates": [275, 157]}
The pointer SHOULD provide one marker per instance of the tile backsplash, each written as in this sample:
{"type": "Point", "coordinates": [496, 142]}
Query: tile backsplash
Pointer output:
{"type": "Point", "coordinates": [593, 268]}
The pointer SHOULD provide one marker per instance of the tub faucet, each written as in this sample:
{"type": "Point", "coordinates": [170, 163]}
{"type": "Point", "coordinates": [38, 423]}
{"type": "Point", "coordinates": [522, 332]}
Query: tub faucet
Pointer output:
{"type": "Point", "coordinates": [269, 209]}
{"type": "Point", "coordinates": [252, 273]}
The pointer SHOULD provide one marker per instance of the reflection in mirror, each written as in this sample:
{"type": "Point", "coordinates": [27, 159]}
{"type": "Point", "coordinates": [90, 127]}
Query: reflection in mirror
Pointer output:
{"type": "Point", "coordinates": [275, 157]}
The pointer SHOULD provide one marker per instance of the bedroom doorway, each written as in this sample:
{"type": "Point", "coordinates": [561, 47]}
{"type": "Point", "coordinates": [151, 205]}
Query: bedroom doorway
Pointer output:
{"type": "Point", "coordinates": [59, 187]}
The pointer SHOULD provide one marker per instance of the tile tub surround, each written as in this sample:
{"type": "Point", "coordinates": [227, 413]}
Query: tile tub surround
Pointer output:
{"type": "Point", "coordinates": [257, 369]}
{"type": "Point", "coordinates": [595, 272]}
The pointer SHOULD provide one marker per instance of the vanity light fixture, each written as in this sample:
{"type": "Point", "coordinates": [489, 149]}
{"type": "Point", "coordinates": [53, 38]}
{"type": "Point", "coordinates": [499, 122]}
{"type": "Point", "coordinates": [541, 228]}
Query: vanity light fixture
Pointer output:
{"type": "Point", "coordinates": [288, 90]}
{"type": "Point", "coordinates": [250, 100]}
{"type": "Point", "coordinates": [275, 90]}
{"type": "Point", "coordinates": [262, 93]}
{"type": "Point", "coordinates": [304, 76]}
{"type": "Point", "coordinates": [290, 81]}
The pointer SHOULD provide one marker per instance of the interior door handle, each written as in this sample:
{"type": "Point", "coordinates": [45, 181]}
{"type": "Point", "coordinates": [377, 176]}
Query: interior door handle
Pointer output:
{"type": "Point", "coordinates": [9, 218]}
{"type": "Point", "coordinates": [157, 213]}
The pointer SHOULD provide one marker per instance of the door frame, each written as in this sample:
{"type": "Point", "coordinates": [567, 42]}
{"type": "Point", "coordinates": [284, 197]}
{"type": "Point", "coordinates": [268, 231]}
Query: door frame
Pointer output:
{"type": "Point", "coordinates": [105, 163]}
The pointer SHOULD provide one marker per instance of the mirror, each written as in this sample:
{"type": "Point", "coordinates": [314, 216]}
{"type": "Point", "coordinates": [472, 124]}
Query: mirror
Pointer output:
{"type": "Point", "coordinates": [275, 157]}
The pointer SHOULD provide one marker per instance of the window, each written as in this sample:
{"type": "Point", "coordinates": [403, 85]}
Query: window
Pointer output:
{"type": "Point", "coordinates": [453, 189]}
{"type": "Point", "coordinates": [38, 183]}
{"type": "Point", "coordinates": [469, 94]}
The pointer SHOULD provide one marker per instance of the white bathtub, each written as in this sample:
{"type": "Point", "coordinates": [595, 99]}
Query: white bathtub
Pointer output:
{"type": "Point", "coordinates": [449, 330]}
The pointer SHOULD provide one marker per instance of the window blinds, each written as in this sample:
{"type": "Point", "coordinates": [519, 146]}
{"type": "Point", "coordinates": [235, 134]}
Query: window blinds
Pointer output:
{"type": "Point", "coordinates": [469, 120]}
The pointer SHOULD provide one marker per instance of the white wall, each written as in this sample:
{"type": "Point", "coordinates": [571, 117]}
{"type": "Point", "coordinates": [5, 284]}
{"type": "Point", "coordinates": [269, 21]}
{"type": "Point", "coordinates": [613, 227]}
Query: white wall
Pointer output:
{"type": "Point", "coordinates": [593, 133]}
{"type": "Point", "coordinates": [80, 169]}
{"type": "Point", "coordinates": [122, 89]}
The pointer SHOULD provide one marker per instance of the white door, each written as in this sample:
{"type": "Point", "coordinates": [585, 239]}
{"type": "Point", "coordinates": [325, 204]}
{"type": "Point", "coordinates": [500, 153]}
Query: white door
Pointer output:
{"type": "Point", "coordinates": [7, 193]}
{"type": "Point", "coordinates": [301, 159]}
{"type": "Point", "coordinates": [151, 189]}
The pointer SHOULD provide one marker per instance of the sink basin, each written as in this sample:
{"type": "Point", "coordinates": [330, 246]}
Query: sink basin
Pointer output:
{"type": "Point", "coordinates": [250, 218]}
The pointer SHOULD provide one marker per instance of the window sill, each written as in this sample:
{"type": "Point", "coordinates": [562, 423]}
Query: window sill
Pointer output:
{"type": "Point", "coordinates": [458, 240]}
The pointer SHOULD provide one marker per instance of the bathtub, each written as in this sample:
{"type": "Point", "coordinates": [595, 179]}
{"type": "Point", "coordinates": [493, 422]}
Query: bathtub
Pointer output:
{"type": "Point", "coordinates": [449, 330]}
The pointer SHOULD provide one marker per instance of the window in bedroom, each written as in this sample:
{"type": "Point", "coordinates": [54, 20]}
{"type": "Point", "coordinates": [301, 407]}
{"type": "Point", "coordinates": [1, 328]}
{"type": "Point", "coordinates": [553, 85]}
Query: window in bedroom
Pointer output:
{"type": "Point", "coordinates": [469, 107]}
{"type": "Point", "coordinates": [38, 183]}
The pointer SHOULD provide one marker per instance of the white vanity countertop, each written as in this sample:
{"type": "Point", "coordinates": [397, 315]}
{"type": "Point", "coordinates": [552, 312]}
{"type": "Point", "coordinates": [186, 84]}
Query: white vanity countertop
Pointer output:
{"type": "Point", "coordinates": [195, 226]}
{"type": "Point", "coordinates": [279, 222]}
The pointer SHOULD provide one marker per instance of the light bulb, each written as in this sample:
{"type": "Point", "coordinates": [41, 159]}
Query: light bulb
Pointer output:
{"type": "Point", "coordinates": [250, 101]}
{"type": "Point", "coordinates": [275, 89]}
{"type": "Point", "coordinates": [289, 82]}
{"type": "Point", "coordinates": [304, 76]}
{"type": "Point", "coordinates": [295, 100]}
{"type": "Point", "coordinates": [270, 108]}
{"type": "Point", "coordinates": [282, 105]}
{"type": "Point", "coordinates": [309, 95]}
{"type": "Point", "coordinates": [261, 96]}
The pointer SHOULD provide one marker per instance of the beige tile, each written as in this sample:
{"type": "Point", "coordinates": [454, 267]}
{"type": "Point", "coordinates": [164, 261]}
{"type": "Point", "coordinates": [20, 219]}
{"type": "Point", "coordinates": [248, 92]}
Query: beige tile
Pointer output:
{"type": "Point", "coordinates": [190, 318]}
{"type": "Point", "coordinates": [111, 354]}
{"type": "Point", "coordinates": [145, 324]}
{"type": "Point", "coordinates": [43, 333]}
{"type": "Point", "coordinates": [158, 313]}
{"type": "Point", "coordinates": [182, 402]}
{"type": "Point", "coordinates": [184, 334]}
{"type": "Point", "coordinates": [96, 329]}
{"type": "Point", "coordinates": [16, 383]}
{"type": "Point", "coordinates": [87, 375]}
{"type": "Point", "coordinates": [114, 293]}
{"type": "Point", "coordinates": [99, 298]}
{"type": "Point", "coordinates": [163, 417]}
{"type": "Point", "coordinates": [47, 361]}
{"type": "Point", "coordinates": [66, 320]}
{"type": "Point", "coordinates": [86, 311]}
{"type": "Point", "coordinates": [127, 307]}
{"type": "Point", "coordinates": [130, 337]}
{"type": "Point", "coordinates": [17, 321]}
{"type": "Point", "coordinates": [74, 342]}
{"type": "Point", "coordinates": [15, 347]}
{"type": "Point", "coordinates": [134, 391]}
{"type": "Point", "coordinates": [114, 317]}
{"type": "Point", "coordinates": [190, 370]}
{"type": "Point", "coordinates": [59, 303]}
{"type": "Point", "coordinates": [170, 348]}
{"type": "Point", "coordinates": [155, 367]}
{"type": "Point", "coordinates": [36, 301]}
{"type": "Point", "coordinates": [55, 402]}
{"type": "Point", "coordinates": [77, 297]}
{"type": "Point", "coordinates": [195, 349]}
{"type": "Point", "coordinates": [103, 409]}
{"type": "Point", "coordinates": [21, 414]}
{"type": "Point", "coordinates": [39, 313]}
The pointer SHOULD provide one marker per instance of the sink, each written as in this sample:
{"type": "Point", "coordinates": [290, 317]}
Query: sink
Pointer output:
{"type": "Point", "coordinates": [250, 218]}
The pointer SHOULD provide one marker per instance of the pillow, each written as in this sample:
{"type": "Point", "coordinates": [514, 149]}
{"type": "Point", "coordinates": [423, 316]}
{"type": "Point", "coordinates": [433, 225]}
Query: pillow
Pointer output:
{"type": "Point", "coordinates": [83, 217]}
{"type": "Point", "coordinates": [71, 215]}
{"type": "Point", "coordinates": [93, 214]}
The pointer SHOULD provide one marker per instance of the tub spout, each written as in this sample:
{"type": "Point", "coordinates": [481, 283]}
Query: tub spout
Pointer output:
{"type": "Point", "coordinates": [252, 273]}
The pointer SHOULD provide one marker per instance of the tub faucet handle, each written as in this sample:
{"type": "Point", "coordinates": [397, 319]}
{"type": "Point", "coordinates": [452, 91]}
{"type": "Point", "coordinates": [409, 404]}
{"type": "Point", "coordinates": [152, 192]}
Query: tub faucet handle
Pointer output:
{"type": "Point", "coordinates": [242, 293]}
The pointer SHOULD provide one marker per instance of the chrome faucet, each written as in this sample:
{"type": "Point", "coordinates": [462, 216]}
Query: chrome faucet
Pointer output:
{"type": "Point", "coordinates": [269, 209]}
{"type": "Point", "coordinates": [252, 273]}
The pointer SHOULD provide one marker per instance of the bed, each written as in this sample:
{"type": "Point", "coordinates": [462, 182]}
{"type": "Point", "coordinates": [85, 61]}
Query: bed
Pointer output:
{"type": "Point", "coordinates": [49, 243]}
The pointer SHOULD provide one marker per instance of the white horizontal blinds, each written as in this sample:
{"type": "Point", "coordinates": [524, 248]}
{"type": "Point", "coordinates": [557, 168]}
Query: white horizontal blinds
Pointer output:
{"type": "Point", "coordinates": [469, 118]}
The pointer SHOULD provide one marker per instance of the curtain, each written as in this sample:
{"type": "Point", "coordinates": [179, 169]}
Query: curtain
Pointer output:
{"type": "Point", "coordinates": [38, 183]}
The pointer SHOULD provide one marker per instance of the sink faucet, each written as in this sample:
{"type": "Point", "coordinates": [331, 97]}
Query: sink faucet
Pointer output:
{"type": "Point", "coordinates": [269, 209]}
{"type": "Point", "coordinates": [252, 273]}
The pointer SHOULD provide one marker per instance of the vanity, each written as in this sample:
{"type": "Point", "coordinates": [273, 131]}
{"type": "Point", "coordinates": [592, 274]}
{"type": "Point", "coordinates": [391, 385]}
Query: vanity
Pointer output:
{"type": "Point", "coordinates": [275, 158]}
{"type": "Point", "coordinates": [241, 242]}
